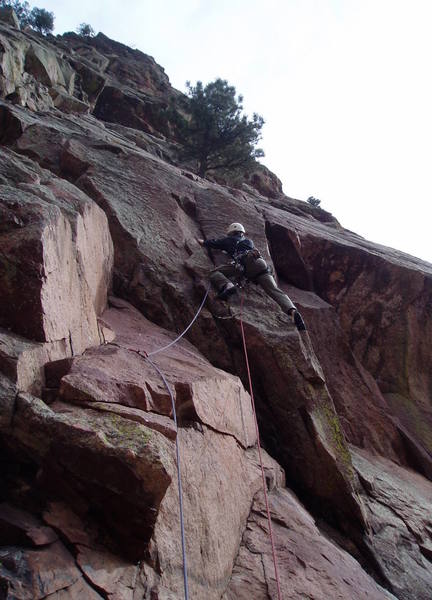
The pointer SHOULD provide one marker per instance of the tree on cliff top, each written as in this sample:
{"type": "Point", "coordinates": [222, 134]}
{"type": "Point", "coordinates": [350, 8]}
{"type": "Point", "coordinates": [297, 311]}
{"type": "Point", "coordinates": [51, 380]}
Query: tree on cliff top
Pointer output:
{"type": "Point", "coordinates": [42, 20]}
{"type": "Point", "coordinates": [85, 30]}
{"type": "Point", "coordinates": [38, 18]}
{"type": "Point", "coordinates": [218, 135]}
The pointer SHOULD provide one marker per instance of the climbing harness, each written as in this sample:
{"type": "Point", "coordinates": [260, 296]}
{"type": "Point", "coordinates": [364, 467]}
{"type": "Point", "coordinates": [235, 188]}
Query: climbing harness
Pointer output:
{"type": "Point", "coordinates": [239, 259]}
{"type": "Point", "coordinates": [260, 456]}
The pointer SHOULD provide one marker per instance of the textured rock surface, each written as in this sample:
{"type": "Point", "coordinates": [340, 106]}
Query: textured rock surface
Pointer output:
{"type": "Point", "coordinates": [119, 463]}
{"type": "Point", "coordinates": [153, 230]}
{"type": "Point", "coordinates": [55, 257]}
{"type": "Point", "coordinates": [117, 374]}
{"type": "Point", "coordinates": [93, 198]}
{"type": "Point", "coordinates": [23, 361]}
{"type": "Point", "coordinates": [34, 574]}
{"type": "Point", "coordinates": [7, 15]}
{"type": "Point", "coordinates": [382, 298]}
{"type": "Point", "coordinates": [399, 504]}
{"type": "Point", "coordinates": [310, 566]}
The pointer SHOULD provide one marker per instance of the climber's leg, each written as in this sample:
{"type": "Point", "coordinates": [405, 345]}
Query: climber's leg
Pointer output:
{"type": "Point", "coordinates": [257, 271]}
{"type": "Point", "coordinates": [267, 282]}
{"type": "Point", "coordinates": [220, 280]}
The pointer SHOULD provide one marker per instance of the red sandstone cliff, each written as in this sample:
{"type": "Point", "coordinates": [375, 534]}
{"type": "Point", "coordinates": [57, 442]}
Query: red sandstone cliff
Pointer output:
{"type": "Point", "coordinates": [98, 262]}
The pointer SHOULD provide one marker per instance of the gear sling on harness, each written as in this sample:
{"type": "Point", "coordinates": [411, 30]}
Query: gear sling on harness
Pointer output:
{"type": "Point", "coordinates": [179, 478]}
{"type": "Point", "coordinates": [239, 259]}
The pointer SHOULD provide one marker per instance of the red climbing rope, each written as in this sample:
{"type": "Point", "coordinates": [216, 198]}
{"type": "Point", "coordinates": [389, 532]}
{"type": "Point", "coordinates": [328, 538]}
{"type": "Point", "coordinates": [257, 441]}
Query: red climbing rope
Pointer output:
{"type": "Point", "coordinates": [179, 476]}
{"type": "Point", "coordinates": [260, 454]}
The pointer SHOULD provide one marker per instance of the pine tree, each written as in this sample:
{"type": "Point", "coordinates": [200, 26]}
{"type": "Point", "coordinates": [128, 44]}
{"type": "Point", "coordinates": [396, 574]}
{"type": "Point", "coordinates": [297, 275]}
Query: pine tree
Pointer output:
{"type": "Point", "coordinates": [218, 135]}
{"type": "Point", "coordinates": [85, 30]}
{"type": "Point", "coordinates": [42, 20]}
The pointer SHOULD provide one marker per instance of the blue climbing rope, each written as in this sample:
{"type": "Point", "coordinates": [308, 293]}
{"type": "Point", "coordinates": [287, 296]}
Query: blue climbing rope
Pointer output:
{"type": "Point", "coordinates": [179, 478]}
{"type": "Point", "coordinates": [179, 483]}
{"type": "Point", "coordinates": [187, 328]}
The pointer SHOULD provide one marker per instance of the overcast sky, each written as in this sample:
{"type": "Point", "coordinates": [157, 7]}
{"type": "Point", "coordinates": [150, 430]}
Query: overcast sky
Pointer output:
{"type": "Point", "coordinates": [345, 88]}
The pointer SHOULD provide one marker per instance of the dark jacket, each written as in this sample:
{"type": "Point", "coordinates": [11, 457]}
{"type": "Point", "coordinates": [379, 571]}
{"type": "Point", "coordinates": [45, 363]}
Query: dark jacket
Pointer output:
{"type": "Point", "coordinates": [231, 244]}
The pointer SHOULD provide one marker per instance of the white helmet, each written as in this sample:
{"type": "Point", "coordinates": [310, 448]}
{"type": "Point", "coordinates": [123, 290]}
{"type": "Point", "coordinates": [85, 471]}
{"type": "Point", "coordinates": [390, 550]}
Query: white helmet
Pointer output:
{"type": "Point", "coordinates": [235, 227]}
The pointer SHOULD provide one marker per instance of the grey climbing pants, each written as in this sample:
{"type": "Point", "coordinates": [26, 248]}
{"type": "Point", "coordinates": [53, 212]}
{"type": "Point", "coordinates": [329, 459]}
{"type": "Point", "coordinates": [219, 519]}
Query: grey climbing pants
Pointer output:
{"type": "Point", "coordinates": [255, 270]}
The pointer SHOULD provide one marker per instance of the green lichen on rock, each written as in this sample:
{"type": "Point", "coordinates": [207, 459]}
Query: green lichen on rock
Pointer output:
{"type": "Point", "coordinates": [123, 432]}
{"type": "Point", "coordinates": [331, 424]}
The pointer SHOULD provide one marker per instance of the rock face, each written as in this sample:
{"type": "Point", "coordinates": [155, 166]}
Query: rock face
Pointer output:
{"type": "Point", "coordinates": [310, 565]}
{"type": "Point", "coordinates": [56, 258]}
{"type": "Point", "coordinates": [398, 502]}
{"type": "Point", "coordinates": [99, 267]}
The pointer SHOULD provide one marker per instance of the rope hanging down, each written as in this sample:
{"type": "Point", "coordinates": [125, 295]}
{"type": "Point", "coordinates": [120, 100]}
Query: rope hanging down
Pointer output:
{"type": "Point", "coordinates": [179, 478]}
{"type": "Point", "coordinates": [187, 328]}
{"type": "Point", "coordinates": [260, 455]}
{"type": "Point", "coordinates": [179, 483]}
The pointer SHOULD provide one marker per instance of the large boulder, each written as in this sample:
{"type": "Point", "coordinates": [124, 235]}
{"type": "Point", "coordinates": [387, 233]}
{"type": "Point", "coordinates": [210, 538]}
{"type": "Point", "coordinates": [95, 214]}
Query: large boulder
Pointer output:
{"type": "Point", "coordinates": [56, 283]}
{"type": "Point", "coordinates": [122, 467]}
{"type": "Point", "coordinates": [56, 259]}
{"type": "Point", "coordinates": [47, 68]}
{"type": "Point", "coordinates": [118, 374]}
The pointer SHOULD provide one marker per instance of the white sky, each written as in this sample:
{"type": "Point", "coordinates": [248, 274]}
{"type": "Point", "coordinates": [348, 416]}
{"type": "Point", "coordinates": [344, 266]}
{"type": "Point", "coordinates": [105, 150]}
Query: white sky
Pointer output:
{"type": "Point", "coordinates": [345, 88]}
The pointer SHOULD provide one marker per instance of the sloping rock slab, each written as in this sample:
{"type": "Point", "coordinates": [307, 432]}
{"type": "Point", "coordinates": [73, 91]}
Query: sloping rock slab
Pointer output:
{"type": "Point", "coordinates": [361, 408]}
{"type": "Point", "coordinates": [399, 503]}
{"type": "Point", "coordinates": [218, 489]}
{"type": "Point", "coordinates": [160, 423]}
{"type": "Point", "coordinates": [383, 298]}
{"type": "Point", "coordinates": [309, 565]}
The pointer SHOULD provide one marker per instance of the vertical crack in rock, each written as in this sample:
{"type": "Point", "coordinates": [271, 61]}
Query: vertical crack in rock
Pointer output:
{"type": "Point", "coordinates": [269, 596]}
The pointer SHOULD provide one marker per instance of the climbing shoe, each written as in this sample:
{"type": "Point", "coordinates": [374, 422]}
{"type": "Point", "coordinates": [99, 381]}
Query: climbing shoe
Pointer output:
{"type": "Point", "coordinates": [298, 321]}
{"type": "Point", "coordinates": [228, 290]}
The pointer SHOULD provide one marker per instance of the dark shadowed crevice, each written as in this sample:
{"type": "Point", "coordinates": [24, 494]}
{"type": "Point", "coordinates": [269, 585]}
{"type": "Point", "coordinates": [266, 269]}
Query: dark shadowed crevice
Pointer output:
{"type": "Point", "coordinates": [286, 257]}
{"type": "Point", "coordinates": [10, 127]}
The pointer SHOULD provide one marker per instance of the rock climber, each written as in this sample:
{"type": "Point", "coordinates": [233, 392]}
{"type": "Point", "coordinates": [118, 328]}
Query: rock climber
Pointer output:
{"type": "Point", "coordinates": [248, 261]}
